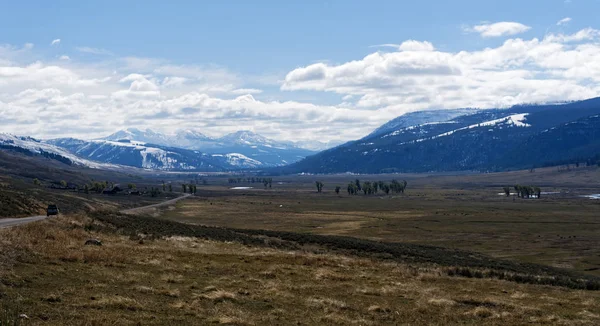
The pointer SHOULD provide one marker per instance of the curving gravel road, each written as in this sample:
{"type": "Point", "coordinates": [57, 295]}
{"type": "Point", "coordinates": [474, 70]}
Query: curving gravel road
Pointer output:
{"type": "Point", "coordinates": [8, 222]}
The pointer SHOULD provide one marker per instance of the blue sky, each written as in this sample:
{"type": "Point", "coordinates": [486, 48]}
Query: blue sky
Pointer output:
{"type": "Point", "coordinates": [257, 36]}
{"type": "Point", "coordinates": [146, 61]}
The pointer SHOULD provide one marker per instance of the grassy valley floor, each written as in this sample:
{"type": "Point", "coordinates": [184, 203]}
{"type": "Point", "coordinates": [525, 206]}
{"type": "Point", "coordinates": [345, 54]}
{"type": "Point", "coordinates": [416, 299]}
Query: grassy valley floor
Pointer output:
{"type": "Point", "coordinates": [48, 274]}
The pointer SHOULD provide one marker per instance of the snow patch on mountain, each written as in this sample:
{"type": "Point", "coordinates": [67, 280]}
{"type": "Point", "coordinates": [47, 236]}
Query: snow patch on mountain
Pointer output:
{"type": "Point", "coordinates": [240, 160]}
{"type": "Point", "coordinates": [399, 131]}
{"type": "Point", "coordinates": [512, 120]}
{"type": "Point", "coordinates": [249, 138]}
{"type": "Point", "coordinates": [36, 146]}
{"type": "Point", "coordinates": [420, 118]}
{"type": "Point", "coordinates": [515, 120]}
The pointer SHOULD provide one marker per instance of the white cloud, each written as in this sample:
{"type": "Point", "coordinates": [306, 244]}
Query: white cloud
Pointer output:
{"type": "Point", "coordinates": [132, 77]}
{"type": "Point", "coordinates": [97, 51]}
{"type": "Point", "coordinates": [563, 21]}
{"type": "Point", "coordinates": [586, 34]}
{"type": "Point", "coordinates": [556, 68]}
{"type": "Point", "coordinates": [64, 57]}
{"type": "Point", "coordinates": [72, 98]}
{"type": "Point", "coordinates": [173, 81]}
{"type": "Point", "coordinates": [94, 97]}
{"type": "Point", "coordinates": [55, 42]}
{"type": "Point", "coordinates": [412, 45]}
{"type": "Point", "coordinates": [498, 29]}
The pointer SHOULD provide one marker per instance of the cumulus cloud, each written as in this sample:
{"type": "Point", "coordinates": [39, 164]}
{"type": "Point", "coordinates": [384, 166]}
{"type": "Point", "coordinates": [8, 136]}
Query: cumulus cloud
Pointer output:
{"type": "Point", "coordinates": [64, 57]}
{"type": "Point", "coordinates": [412, 45]}
{"type": "Point", "coordinates": [132, 77]}
{"type": "Point", "coordinates": [173, 81]}
{"type": "Point", "coordinates": [563, 21]}
{"type": "Point", "coordinates": [91, 99]}
{"type": "Point", "coordinates": [55, 42]}
{"type": "Point", "coordinates": [556, 68]}
{"type": "Point", "coordinates": [498, 29]}
{"type": "Point", "coordinates": [587, 34]}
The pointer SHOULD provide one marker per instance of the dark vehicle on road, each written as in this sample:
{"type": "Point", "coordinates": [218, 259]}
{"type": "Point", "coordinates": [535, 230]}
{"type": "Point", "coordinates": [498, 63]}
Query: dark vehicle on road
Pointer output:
{"type": "Point", "coordinates": [52, 210]}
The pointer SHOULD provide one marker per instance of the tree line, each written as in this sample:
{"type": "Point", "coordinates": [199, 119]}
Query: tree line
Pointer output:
{"type": "Point", "coordinates": [267, 182]}
{"type": "Point", "coordinates": [101, 186]}
{"type": "Point", "coordinates": [369, 188]}
{"type": "Point", "coordinates": [524, 191]}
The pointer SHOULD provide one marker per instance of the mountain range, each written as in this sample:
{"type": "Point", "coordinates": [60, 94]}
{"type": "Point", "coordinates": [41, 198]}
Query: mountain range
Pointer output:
{"type": "Point", "coordinates": [257, 150]}
{"type": "Point", "coordinates": [184, 151]}
{"type": "Point", "coordinates": [520, 137]}
{"type": "Point", "coordinates": [523, 136]}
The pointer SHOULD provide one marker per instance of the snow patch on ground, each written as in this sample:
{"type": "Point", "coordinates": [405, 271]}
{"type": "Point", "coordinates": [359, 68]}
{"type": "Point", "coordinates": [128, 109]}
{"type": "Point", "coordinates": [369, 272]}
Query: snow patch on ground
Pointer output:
{"type": "Point", "coordinates": [594, 196]}
{"type": "Point", "coordinates": [543, 193]}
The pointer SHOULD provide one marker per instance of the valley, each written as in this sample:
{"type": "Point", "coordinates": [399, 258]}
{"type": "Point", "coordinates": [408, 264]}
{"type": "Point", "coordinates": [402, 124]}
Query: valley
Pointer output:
{"type": "Point", "coordinates": [463, 212]}
{"type": "Point", "coordinates": [256, 163]}
{"type": "Point", "coordinates": [459, 236]}
{"type": "Point", "coordinates": [448, 248]}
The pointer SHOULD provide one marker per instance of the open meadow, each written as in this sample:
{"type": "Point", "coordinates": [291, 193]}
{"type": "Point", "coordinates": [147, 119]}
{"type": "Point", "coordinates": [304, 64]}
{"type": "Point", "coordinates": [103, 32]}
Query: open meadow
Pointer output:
{"type": "Point", "coordinates": [467, 212]}
{"type": "Point", "coordinates": [450, 250]}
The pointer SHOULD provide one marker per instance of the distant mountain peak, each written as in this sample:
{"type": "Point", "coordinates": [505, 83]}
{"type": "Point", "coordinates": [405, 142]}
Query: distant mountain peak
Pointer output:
{"type": "Point", "coordinates": [247, 137]}
{"type": "Point", "coordinates": [191, 134]}
{"type": "Point", "coordinates": [255, 147]}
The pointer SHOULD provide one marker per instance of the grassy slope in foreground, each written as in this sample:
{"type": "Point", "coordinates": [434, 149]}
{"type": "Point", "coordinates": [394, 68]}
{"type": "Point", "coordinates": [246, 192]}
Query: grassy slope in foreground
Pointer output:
{"type": "Point", "coordinates": [48, 273]}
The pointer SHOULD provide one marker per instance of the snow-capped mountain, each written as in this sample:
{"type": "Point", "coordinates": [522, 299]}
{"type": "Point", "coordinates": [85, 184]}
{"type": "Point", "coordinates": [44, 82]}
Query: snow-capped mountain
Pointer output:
{"type": "Point", "coordinates": [192, 135]}
{"type": "Point", "coordinates": [118, 155]}
{"type": "Point", "coordinates": [32, 146]}
{"type": "Point", "coordinates": [247, 137]}
{"type": "Point", "coordinates": [149, 156]}
{"type": "Point", "coordinates": [146, 136]}
{"type": "Point", "coordinates": [487, 140]}
{"type": "Point", "coordinates": [266, 151]}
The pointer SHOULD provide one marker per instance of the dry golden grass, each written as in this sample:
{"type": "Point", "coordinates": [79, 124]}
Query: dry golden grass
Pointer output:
{"type": "Point", "coordinates": [114, 302]}
{"type": "Point", "coordinates": [218, 296]}
{"type": "Point", "coordinates": [56, 280]}
{"type": "Point", "coordinates": [463, 212]}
